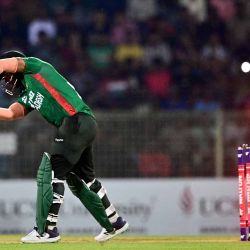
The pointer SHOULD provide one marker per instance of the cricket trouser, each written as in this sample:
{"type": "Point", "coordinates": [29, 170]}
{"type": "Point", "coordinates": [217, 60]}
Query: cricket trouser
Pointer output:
{"type": "Point", "coordinates": [72, 160]}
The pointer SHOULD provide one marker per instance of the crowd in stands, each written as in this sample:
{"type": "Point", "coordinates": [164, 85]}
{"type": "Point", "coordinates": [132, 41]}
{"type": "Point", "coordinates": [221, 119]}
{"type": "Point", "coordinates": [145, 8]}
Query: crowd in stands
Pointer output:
{"type": "Point", "coordinates": [138, 54]}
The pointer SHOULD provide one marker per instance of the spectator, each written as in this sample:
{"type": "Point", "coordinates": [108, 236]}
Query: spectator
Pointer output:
{"type": "Point", "coordinates": [41, 23]}
{"type": "Point", "coordinates": [192, 38]}
{"type": "Point", "coordinates": [197, 8]}
{"type": "Point", "coordinates": [84, 78]}
{"type": "Point", "coordinates": [141, 10]}
{"type": "Point", "coordinates": [131, 49]}
{"type": "Point", "coordinates": [184, 78]}
{"type": "Point", "coordinates": [215, 49]}
{"type": "Point", "coordinates": [185, 50]}
{"type": "Point", "coordinates": [98, 26]}
{"type": "Point", "coordinates": [155, 48]}
{"type": "Point", "coordinates": [114, 92]}
{"type": "Point", "coordinates": [173, 100]}
{"type": "Point", "coordinates": [45, 48]}
{"type": "Point", "coordinates": [186, 66]}
{"type": "Point", "coordinates": [57, 6]}
{"type": "Point", "coordinates": [82, 12]}
{"type": "Point", "coordinates": [212, 25]}
{"type": "Point", "coordinates": [100, 52]}
{"type": "Point", "coordinates": [137, 91]}
{"type": "Point", "coordinates": [71, 48]}
{"type": "Point", "coordinates": [140, 55]}
{"type": "Point", "coordinates": [121, 28]}
{"type": "Point", "coordinates": [239, 25]}
{"type": "Point", "coordinates": [225, 9]}
{"type": "Point", "coordinates": [206, 101]}
{"type": "Point", "coordinates": [158, 80]}
{"type": "Point", "coordinates": [184, 23]}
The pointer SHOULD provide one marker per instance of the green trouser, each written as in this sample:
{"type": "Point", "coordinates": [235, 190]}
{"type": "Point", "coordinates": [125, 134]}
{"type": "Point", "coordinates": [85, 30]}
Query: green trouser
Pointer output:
{"type": "Point", "coordinates": [71, 160]}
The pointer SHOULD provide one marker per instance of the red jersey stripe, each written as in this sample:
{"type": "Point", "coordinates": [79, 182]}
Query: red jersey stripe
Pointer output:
{"type": "Point", "coordinates": [58, 97]}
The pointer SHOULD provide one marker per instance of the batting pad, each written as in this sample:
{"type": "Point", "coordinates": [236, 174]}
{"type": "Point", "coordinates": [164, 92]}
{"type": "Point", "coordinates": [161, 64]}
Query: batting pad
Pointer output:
{"type": "Point", "coordinates": [44, 192]}
{"type": "Point", "coordinates": [90, 200]}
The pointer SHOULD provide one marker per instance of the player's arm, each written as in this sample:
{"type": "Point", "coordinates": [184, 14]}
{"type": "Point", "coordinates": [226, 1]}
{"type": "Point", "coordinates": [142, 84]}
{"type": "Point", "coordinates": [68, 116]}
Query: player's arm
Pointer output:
{"type": "Point", "coordinates": [12, 65]}
{"type": "Point", "coordinates": [14, 112]}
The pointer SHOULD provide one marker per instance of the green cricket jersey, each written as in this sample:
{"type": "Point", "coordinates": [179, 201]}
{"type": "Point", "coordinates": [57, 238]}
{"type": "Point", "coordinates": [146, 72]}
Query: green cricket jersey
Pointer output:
{"type": "Point", "coordinates": [50, 93]}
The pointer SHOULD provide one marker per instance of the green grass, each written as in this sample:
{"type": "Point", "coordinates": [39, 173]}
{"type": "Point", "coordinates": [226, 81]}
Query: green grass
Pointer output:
{"type": "Point", "coordinates": [11, 242]}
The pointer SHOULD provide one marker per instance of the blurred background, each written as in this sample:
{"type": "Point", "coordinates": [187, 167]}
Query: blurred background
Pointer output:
{"type": "Point", "coordinates": [163, 77]}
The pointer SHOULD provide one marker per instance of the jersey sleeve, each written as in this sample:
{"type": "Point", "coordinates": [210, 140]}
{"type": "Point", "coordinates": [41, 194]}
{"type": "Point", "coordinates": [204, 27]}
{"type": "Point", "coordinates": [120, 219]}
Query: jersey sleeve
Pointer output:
{"type": "Point", "coordinates": [32, 65]}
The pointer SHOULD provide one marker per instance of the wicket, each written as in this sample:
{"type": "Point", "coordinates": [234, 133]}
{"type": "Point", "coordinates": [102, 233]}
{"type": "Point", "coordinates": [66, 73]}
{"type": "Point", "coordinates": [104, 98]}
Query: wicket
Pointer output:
{"type": "Point", "coordinates": [244, 190]}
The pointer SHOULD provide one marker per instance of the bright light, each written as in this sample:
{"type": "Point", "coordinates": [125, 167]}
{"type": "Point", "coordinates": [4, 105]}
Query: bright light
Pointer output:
{"type": "Point", "coordinates": [245, 67]}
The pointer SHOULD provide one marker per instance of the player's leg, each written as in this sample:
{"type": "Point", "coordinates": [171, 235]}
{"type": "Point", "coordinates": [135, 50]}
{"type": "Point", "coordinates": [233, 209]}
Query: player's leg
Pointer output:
{"type": "Point", "coordinates": [60, 168]}
{"type": "Point", "coordinates": [85, 170]}
{"type": "Point", "coordinates": [117, 221]}
{"type": "Point", "coordinates": [80, 134]}
{"type": "Point", "coordinates": [90, 200]}
{"type": "Point", "coordinates": [75, 134]}
{"type": "Point", "coordinates": [45, 199]}
{"type": "Point", "coordinates": [66, 153]}
{"type": "Point", "coordinates": [50, 197]}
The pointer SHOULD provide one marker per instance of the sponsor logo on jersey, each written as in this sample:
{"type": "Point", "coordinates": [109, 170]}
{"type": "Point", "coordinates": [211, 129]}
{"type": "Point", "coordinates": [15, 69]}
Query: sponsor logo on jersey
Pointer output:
{"type": "Point", "coordinates": [24, 99]}
{"type": "Point", "coordinates": [35, 100]}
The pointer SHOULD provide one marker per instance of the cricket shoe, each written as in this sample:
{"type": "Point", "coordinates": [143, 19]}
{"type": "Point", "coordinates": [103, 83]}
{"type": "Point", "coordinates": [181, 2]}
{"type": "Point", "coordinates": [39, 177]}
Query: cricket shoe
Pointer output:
{"type": "Point", "coordinates": [50, 236]}
{"type": "Point", "coordinates": [120, 226]}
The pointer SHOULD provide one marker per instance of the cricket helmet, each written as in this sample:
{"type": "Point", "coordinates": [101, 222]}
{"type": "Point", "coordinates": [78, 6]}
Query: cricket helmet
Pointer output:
{"type": "Point", "coordinates": [12, 83]}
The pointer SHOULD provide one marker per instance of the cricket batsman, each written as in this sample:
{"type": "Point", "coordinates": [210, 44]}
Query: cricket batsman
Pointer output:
{"type": "Point", "coordinates": [39, 86]}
